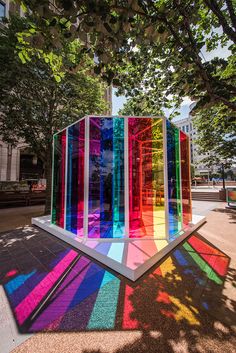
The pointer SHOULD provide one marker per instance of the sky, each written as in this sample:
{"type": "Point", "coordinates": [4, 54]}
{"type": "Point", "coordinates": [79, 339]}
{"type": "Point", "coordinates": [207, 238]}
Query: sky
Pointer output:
{"type": "Point", "coordinates": [118, 102]}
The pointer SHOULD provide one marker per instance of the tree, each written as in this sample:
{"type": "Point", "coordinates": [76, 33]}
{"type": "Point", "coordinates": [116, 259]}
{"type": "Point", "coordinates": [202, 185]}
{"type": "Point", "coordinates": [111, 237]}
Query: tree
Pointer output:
{"type": "Point", "coordinates": [216, 135]}
{"type": "Point", "coordinates": [215, 125]}
{"type": "Point", "coordinates": [34, 105]}
{"type": "Point", "coordinates": [150, 46]}
{"type": "Point", "coordinates": [192, 171]}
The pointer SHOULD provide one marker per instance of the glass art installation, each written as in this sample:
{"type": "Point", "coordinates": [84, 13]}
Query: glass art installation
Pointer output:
{"type": "Point", "coordinates": [121, 177]}
{"type": "Point", "coordinates": [121, 190]}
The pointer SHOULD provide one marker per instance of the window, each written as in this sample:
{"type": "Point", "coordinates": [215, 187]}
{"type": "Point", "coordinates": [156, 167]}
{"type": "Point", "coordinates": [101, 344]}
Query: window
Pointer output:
{"type": "Point", "coordinates": [183, 128]}
{"type": "Point", "coordinates": [2, 10]}
{"type": "Point", "coordinates": [186, 128]}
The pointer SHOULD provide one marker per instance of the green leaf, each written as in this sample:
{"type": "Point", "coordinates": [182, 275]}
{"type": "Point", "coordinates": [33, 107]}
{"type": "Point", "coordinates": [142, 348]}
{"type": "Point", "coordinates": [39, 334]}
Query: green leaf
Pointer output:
{"type": "Point", "coordinates": [22, 58]}
{"type": "Point", "coordinates": [57, 78]}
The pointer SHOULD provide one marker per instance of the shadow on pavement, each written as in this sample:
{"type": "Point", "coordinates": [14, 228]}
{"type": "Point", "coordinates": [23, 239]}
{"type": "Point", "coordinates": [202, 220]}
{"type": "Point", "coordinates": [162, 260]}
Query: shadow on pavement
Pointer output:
{"type": "Point", "coordinates": [230, 212]}
{"type": "Point", "coordinates": [179, 305]}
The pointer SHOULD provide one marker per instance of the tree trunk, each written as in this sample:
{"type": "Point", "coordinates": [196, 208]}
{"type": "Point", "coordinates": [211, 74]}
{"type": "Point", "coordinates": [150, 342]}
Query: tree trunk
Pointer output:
{"type": "Point", "coordinates": [48, 175]}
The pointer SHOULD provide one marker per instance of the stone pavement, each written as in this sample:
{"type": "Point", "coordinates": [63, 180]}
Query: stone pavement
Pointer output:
{"type": "Point", "coordinates": [202, 208]}
{"type": "Point", "coordinates": [11, 218]}
{"type": "Point", "coordinates": [186, 303]}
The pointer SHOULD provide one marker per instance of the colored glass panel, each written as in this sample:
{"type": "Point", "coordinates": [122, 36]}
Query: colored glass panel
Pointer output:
{"type": "Point", "coordinates": [75, 178]}
{"type": "Point", "coordinates": [118, 178]}
{"type": "Point", "coordinates": [146, 178]}
{"type": "Point", "coordinates": [185, 178]}
{"type": "Point", "coordinates": [106, 178]}
{"type": "Point", "coordinates": [58, 202]}
{"type": "Point", "coordinates": [174, 187]}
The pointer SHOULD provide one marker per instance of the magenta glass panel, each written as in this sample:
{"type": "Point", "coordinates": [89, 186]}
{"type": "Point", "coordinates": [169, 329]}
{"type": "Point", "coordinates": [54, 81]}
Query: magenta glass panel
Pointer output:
{"type": "Point", "coordinates": [58, 202]}
{"type": "Point", "coordinates": [94, 178]}
{"type": "Point", "coordinates": [75, 178]}
{"type": "Point", "coordinates": [185, 178]}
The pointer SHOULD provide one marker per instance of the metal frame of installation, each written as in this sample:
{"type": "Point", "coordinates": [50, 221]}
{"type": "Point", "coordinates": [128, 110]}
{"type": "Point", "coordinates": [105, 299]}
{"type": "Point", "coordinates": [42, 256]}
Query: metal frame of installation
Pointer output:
{"type": "Point", "coordinates": [121, 190]}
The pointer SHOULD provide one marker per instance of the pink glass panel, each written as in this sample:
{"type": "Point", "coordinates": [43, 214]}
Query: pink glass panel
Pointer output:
{"type": "Point", "coordinates": [94, 178]}
{"type": "Point", "coordinates": [80, 207]}
{"type": "Point", "coordinates": [63, 160]}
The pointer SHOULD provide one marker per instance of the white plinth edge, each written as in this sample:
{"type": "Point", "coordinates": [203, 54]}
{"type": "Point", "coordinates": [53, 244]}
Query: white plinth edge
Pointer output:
{"type": "Point", "coordinates": [129, 258]}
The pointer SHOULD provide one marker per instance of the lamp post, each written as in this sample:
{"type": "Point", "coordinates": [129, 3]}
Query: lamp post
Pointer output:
{"type": "Point", "coordinates": [222, 192]}
{"type": "Point", "coordinates": [223, 174]}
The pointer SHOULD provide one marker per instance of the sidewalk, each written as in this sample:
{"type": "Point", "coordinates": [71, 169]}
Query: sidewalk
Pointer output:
{"type": "Point", "coordinates": [11, 218]}
{"type": "Point", "coordinates": [185, 304]}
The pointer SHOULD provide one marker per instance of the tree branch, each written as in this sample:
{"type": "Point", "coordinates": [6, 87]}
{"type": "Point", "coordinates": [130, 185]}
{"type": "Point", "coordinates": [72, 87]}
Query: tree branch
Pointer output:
{"type": "Point", "coordinates": [225, 101]}
{"type": "Point", "coordinates": [212, 4]}
{"type": "Point", "coordinates": [231, 12]}
{"type": "Point", "coordinates": [205, 76]}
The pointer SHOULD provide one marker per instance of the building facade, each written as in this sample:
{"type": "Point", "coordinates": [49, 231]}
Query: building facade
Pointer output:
{"type": "Point", "coordinates": [187, 126]}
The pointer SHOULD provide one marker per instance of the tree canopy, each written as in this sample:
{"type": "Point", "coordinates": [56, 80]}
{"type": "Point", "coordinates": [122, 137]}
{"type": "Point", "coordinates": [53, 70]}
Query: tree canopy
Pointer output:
{"type": "Point", "coordinates": [216, 135]}
{"type": "Point", "coordinates": [140, 105]}
{"type": "Point", "coordinates": [153, 46]}
{"type": "Point", "coordinates": [157, 52]}
{"type": "Point", "coordinates": [33, 104]}
{"type": "Point", "coordinates": [216, 131]}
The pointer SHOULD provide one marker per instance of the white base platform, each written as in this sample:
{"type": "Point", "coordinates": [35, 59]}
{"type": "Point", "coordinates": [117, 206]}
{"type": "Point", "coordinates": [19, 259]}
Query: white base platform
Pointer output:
{"type": "Point", "coordinates": [130, 258]}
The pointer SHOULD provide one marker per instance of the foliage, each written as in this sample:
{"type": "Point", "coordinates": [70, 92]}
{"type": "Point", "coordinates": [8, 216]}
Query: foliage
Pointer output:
{"type": "Point", "coordinates": [34, 105]}
{"type": "Point", "coordinates": [216, 130]}
{"type": "Point", "coordinates": [230, 174]}
{"type": "Point", "coordinates": [152, 51]}
{"type": "Point", "coordinates": [192, 171]}
{"type": "Point", "coordinates": [141, 105]}
{"type": "Point", "coordinates": [216, 135]}
{"type": "Point", "coordinates": [153, 47]}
